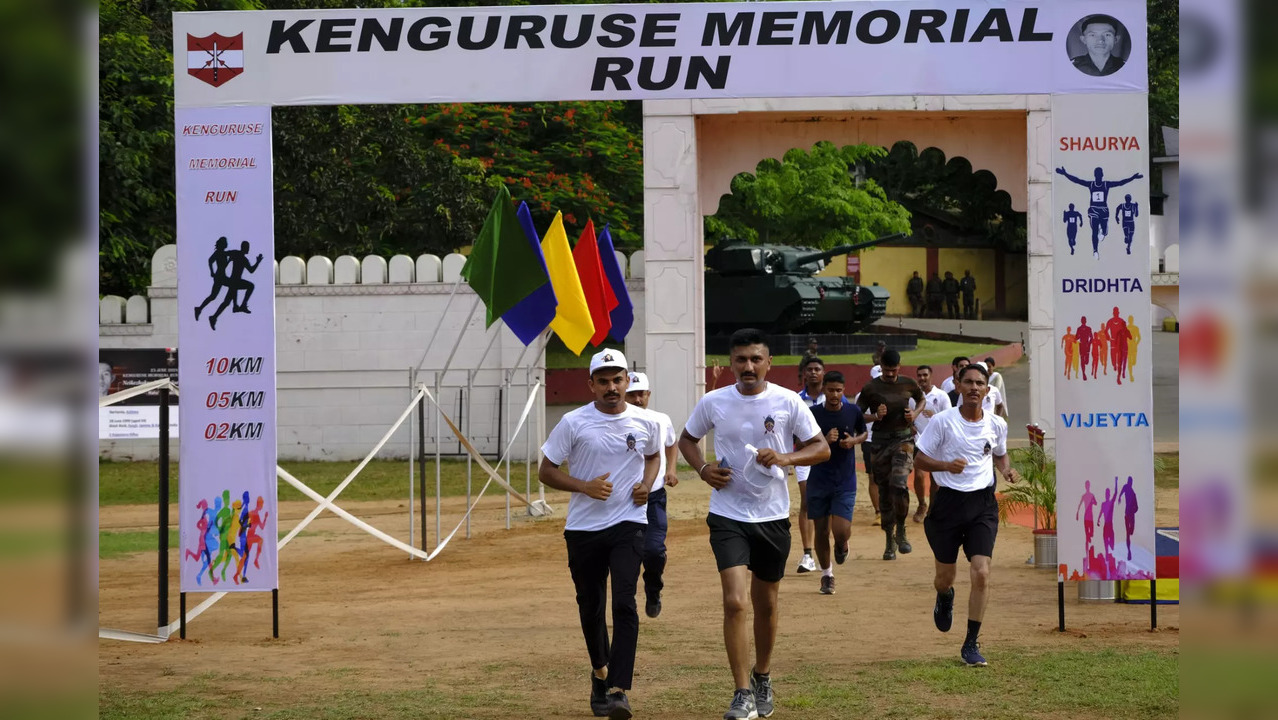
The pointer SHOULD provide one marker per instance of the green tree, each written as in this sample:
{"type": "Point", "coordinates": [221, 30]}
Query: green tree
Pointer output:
{"type": "Point", "coordinates": [809, 198]}
{"type": "Point", "coordinates": [582, 158]}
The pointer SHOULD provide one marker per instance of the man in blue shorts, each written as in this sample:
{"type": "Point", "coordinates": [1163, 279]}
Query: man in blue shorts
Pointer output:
{"type": "Point", "coordinates": [832, 484]}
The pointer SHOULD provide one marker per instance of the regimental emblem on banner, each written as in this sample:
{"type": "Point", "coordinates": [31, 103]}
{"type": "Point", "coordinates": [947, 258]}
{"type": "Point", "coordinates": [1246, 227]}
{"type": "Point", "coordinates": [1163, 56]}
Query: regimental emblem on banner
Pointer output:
{"type": "Point", "coordinates": [215, 58]}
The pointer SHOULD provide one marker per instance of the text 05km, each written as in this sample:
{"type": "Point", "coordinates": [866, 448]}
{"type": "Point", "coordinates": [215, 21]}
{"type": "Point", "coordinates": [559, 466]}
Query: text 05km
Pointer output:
{"type": "Point", "coordinates": [235, 399]}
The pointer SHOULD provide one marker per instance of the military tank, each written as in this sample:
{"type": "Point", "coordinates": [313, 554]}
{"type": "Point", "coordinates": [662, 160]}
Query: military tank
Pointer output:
{"type": "Point", "coordinates": [773, 288]}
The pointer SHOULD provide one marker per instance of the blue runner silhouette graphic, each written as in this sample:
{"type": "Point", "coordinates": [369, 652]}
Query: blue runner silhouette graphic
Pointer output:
{"type": "Point", "coordinates": [1098, 207]}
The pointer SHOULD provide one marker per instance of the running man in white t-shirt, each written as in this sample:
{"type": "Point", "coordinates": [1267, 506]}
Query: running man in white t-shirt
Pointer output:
{"type": "Point", "coordinates": [614, 445]}
{"type": "Point", "coordinates": [961, 447]}
{"type": "Point", "coordinates": [935, 401]}
{"type": "Point", "coordinates": [811, 372]}
{"type": "Point", "coordinates": [654, 539]}
{"type": "Point", "coordinates": [755, 425]}
{"type": "Point", "coordinates": [957, 364]}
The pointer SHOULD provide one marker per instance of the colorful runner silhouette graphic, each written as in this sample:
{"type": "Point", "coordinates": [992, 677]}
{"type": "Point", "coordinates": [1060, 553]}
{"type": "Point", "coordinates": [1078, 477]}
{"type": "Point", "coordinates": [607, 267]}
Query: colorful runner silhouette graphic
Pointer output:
{"type": "Point", "coordinates": [1130, 506]}
{"type": "Point", "coordinates": [1112, 345]}
{"type": "Point", "coordinates": [1119, 337]}
{"type": "Point", "coordinates": [1084, 336]}
{"type": "Point", "coordinates": [1133, 340]}
{"type": "Point", "coordinates": [227, 533]}
{"type": "Point", "coordinates": [1098, 205]}
{"type": "Point", "coordinates": [1100, 352]}
{"type": "Point", "coordinates": [1086, 505]}
{"type": "Point", "coordinates": [227, 267]}
{"type": "Point", "coordinates": [1106, 521]}
{"type": "Point", "coordinates": [1069, 342]}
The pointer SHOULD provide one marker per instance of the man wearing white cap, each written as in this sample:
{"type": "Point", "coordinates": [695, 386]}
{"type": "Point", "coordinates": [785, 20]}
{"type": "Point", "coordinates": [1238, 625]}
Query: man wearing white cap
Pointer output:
{"type": "Point", "coordinates": [759, 430]}
{"type": "Point", "coordinates": [993, 402]}
{"type": "Point", "coordinates": [606, 443]}
{"type": "Point", "coordinates": [654, 540]}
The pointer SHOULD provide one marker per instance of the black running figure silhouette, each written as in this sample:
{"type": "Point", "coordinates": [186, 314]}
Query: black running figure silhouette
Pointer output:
{"type": "Point", "coordinates": [1098, 207]}
{"type": "Point", "coordinates": [228, 268]}
{"type": "Point", "coordinates": [217, 268]}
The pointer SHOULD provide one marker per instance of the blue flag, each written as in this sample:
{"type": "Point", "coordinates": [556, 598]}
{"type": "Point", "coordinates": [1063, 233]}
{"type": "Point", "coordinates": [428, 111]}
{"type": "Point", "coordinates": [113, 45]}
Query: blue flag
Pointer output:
{"type": "Point", "coordinates": [532, 315]}
{"type": "Point", "coordinates": [622, 316]}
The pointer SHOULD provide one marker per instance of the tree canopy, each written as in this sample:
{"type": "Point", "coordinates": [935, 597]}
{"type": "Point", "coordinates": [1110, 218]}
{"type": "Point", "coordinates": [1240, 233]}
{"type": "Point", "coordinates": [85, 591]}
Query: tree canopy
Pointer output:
{"type": "Point", "coordinates": [809, 198]}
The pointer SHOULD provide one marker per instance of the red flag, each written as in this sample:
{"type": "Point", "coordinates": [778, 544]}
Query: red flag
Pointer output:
{"type": "Point", "coordinates": [599, 295]}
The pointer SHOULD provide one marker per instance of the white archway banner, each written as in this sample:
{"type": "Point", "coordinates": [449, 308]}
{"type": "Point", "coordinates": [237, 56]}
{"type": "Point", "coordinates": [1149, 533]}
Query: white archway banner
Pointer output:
{"type": "Point", "coordinates": [654, 51]}
{"type": "Point", "coordinates": [1104, 394]}
{"type": "Point", "coordinates": [226, 328]}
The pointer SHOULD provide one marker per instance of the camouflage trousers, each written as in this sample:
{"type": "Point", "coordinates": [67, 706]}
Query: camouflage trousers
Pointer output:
{"type": "Point", "coordinates": [892, 461]}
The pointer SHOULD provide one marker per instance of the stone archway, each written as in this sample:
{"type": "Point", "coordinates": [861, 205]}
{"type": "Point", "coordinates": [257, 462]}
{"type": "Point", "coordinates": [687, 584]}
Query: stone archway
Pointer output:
{"type": "Point", "coordinates": [693, 148]}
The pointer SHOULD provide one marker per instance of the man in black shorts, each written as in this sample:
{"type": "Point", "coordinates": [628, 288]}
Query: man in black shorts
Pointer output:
{"type": "Point", "coordinates": [885, 400]}
{"type": "Point", "coordinates": [760, 429]}
{"type": "Point", "coordinates": [961, 447]}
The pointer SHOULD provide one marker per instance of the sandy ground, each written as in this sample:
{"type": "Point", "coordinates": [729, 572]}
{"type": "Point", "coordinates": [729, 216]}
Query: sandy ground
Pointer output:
{"type": "Point", "coordinates": [356, 613]}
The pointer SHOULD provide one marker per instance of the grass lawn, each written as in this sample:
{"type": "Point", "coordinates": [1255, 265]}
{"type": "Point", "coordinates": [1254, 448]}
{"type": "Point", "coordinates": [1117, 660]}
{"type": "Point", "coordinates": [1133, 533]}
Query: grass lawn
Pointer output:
{"type": "Point", "coordinates": [929, 352]}
{"type": "Point", "coordinates": [135, 483]}
{"type": "Point", "coordinates": [1018, 684]}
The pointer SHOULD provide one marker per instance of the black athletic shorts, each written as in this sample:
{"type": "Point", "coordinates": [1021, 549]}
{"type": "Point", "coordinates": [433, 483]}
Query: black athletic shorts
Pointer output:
{"type": "Point", "coordinates": [961, 519]}
{"type": "Point", "coordinates": [865, 458]}
{"type": "Point", "coordinates": [763, 547]}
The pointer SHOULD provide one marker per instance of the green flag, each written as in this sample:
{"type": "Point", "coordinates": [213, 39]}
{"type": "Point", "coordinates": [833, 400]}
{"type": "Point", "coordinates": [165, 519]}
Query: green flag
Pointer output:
{"type": "Point", "coordinates": [503, 267]}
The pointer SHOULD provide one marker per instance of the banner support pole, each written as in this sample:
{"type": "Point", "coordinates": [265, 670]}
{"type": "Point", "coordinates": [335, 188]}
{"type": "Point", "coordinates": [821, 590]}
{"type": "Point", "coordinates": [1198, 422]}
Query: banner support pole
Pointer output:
{"type": "Point", "coordinates": [421, 466]}
{"type": "Point", "coordinates": [1060, 605]}
{"type": "Point", "coordinates": [275, 613]}
{"type": "Point", "coordinates": [182, 615]}
{"type": "Point", "coordinates": [163, 601]}
{"type": "Point", "coordinates": [412, 454]}
{"type": "Point", "coordinates": [1153, 603]}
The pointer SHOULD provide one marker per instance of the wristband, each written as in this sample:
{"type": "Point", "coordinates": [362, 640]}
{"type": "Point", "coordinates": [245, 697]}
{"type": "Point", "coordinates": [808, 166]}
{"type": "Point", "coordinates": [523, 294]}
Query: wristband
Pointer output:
{"type": "Point", "coordinates": [703, 469]}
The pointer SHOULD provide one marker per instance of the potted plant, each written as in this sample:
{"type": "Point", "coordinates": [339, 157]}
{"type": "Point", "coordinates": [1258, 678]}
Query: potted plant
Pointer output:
{"type": "Point", "coordinates": [1037, 491]}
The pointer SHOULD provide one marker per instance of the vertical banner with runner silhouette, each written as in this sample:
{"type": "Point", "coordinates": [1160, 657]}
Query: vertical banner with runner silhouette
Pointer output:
{"type": "Point", "coordinates": [1104, 389]}
{"type": "Point", "coordinates": [226, 334]}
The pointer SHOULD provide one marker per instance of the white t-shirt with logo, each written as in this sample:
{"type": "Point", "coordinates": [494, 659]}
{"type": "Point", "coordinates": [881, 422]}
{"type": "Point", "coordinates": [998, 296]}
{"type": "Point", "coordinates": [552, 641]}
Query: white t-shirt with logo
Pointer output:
{"type": "Point", "coordinates": [992, 400]}
{"type": "Point", "coordinates": [771, 419]}
{"type": "Point", "coordinates": [594, 443]}
{"type": "Point", "coordinates": [801, 472]}
{"type": "Point", "coordinates": [668, 438]}
{"type": "Point", "coordinates": [936, 400]}
{"type": "Point", "coordinates": [949, 437]}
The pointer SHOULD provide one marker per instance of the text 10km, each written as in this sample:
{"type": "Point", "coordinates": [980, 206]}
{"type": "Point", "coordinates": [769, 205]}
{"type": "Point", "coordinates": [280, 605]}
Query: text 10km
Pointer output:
{"type": "Point", "coordinates": [234, 366]}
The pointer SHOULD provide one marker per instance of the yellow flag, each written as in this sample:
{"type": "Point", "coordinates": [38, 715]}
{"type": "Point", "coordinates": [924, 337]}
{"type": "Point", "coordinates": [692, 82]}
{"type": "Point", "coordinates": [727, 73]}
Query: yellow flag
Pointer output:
{"type": "Point", "coordinates": [572, 317]}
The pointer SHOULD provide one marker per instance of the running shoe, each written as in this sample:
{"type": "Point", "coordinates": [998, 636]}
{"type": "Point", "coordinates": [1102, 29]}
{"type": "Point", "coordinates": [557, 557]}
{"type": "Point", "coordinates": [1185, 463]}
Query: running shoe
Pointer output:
{"type": "Point", "coordinates": [598, 696]}
{"type": "Point", "coordinates": [971, 655]}
{"type": "Point", "coordinates": [761, 686]}
{"type": "Point", "coordinates": [619, 707]}
{"type": "Point", "coordinates": [943, 611]}
{"type": "Point", "coordinates": [652, 608]}
{"type": "Point", "coordinates": [742, 707]}
{"type": "Point", "coordinates": [827, 584]}
{"type": "Point", "coordinates": [807, 564]}
{"type": "Point", "coordinates": [841, 553]}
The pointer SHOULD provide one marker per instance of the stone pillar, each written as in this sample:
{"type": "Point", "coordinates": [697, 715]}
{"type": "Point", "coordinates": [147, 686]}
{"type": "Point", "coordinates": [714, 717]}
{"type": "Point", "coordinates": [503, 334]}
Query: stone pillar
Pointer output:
{"type": "Point", "coordinates": [674, 306]}
{"type": "Point", "coordinates": [1042, 341]}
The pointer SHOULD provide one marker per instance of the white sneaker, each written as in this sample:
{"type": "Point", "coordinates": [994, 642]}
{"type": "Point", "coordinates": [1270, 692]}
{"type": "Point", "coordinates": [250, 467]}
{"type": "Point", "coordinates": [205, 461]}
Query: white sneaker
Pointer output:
{"type": "Point", "coordinates": [1096, 255]}
{"type": "Point", "coordinates": [807, 564]}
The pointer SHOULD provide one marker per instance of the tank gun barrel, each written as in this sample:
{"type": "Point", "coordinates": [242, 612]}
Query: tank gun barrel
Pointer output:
{"type": "Point", "coordinates": [844, 249]}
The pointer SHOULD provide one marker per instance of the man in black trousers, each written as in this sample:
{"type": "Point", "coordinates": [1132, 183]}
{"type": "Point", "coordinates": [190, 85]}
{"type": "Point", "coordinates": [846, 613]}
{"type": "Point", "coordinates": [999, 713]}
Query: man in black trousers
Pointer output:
{"type": "Point", "coordinates": [612, 444]}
